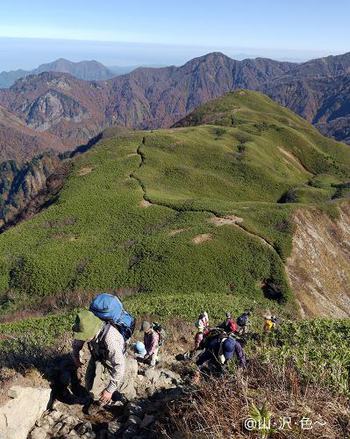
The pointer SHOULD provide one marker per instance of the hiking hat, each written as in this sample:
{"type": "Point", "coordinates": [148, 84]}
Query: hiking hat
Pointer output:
{"type": "Point", "coordinates": [86, 325]}
{"type": "Point", "coordinates": [228, 348]}
{"type": "Point", "coordinates": [140, 349]}
{"type": "Point", "coordinates": [146, 326]}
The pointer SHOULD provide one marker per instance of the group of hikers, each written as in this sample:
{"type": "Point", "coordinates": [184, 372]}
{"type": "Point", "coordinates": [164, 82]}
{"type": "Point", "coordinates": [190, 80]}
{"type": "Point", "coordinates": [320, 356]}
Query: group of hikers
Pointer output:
{"type": "Point", "coordinates": [107, 328]}
{"type": "Point", "coordinates": [219, 344]}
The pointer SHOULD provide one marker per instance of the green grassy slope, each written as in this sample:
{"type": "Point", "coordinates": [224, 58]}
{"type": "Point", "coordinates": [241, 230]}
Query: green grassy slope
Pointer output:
{"type": "Point", "coordinates": [103, 235]}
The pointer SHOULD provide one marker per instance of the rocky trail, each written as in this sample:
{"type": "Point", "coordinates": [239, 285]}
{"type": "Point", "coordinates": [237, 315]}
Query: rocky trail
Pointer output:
{"type": "Point", "coordinates": [62, 412]}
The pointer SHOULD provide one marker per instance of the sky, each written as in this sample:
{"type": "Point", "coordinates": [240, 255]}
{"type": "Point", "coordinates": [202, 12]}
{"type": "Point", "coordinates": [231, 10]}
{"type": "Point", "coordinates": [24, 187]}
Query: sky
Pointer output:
{"type": "Point", "coordinates": [154, 32]}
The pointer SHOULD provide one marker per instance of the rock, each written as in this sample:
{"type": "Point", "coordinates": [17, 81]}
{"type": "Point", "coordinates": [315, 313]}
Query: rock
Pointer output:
{"type": "Point", "coordinates": [65, 429]}
{"type": "Point", "coordinates": [128, 390]}
{"type": "Point", "coordinates": [131, 367]}
{"type": "Point", "coordinates": [152, 374]}
{"type": "Point", "coordinates": [174, 377]}
{"type": "Point", "coordinates": [29, 401]}
{"type": "Point", "coordinates": [83, 428]}
{"type": "Point", "coordinates": [113, 426]}
{"type": "Point", "coordinates": [56, 428]}
{"type": "Point", "coordinates": [147, 421]}
{"type": "Point", "coordinates": [12, 393]}
{"type": "Point", "coordinates": [160, 379]}
{"type": "Point", "coordinates": [45, 422]}
{"type": "Point", "coordinates": [71, 420]}
{"type": "Point", "coordinates": [149, 391]}
{"type": "Point", "coordinates": [80, 429]}
{"type": "Point", "coordinates": [55, 412]}
{"type": "Point", "coordinates": [38, 433]}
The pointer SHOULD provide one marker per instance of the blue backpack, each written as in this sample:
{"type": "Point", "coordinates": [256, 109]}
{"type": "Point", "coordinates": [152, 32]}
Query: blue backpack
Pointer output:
{"type": "Point", "coordinates": [110, 309]}
{"type": "Point", "coordinates": [242, 320]}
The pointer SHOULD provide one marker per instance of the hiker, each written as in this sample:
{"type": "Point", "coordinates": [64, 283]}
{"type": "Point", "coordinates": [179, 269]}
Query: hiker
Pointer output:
{"type": "Point", "coordinates": [219, 351]}
{"type": "Point", "coordinates": [270, 323]}
{"type": "Point", "coordinates": [229, 325]}
{"type": "Point", "coordinates": [151, 341]}
{"type": "Point", "coordinates": [243, 322]}
{"type": "Point", "coordinates": [202, 325]}
{"type": "Point", "coordinates": [106, 345]}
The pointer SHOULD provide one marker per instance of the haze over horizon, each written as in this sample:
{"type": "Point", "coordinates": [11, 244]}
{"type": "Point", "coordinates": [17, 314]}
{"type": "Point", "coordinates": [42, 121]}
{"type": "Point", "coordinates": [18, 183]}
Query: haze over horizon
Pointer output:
{"type": "Point", "coordinates": [159, 34]}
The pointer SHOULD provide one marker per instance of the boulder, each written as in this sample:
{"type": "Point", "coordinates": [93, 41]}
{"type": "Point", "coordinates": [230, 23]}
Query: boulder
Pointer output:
{"type": "Point", "coordinates": [19, 414]}
{"type": "Point", "coordinates": [39, 433]}
{"type": "Point", "coordinates": [158, 379]}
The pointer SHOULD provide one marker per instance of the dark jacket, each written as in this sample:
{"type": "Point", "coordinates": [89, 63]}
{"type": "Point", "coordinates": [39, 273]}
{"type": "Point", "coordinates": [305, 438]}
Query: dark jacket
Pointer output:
{"type": "Point", "coordinates": [228, 347]}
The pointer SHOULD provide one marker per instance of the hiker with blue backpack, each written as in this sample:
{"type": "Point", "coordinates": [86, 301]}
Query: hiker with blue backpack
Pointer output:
{"type": "Point", "coordinates": [105, 327]}
{"type": "Point", "coordinates": [243, 322]}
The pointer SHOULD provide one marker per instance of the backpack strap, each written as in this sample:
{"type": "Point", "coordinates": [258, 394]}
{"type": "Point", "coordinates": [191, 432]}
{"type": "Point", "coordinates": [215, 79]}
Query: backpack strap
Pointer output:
{"type": "Point", "coordinates": [221, 345]}
{"type": "Point", "coordinates": [100, 343]}
{"type": "Point", "coordinates": [102, 335]}
{"type": "Point", "coordinates": [221, 357]}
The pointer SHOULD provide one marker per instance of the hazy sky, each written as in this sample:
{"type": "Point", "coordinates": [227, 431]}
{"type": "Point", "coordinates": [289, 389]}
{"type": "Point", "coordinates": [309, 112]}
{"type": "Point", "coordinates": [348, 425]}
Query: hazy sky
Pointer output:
{"type": "Point", "coordinates": [169, 32]}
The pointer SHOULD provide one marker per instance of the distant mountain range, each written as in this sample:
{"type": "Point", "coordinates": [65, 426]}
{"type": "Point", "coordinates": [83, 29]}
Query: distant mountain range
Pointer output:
{"type": "Point", "coordinates": [75, 110]}
{"type": "Point", "coordinates": [87, 70]}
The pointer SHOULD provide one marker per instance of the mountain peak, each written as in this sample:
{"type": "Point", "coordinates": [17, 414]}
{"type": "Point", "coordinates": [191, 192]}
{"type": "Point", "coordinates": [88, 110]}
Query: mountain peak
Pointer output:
{"type": "Point", "coordinates": [91, 70]}
{"type": "Point", "coordinates": [210, 57]}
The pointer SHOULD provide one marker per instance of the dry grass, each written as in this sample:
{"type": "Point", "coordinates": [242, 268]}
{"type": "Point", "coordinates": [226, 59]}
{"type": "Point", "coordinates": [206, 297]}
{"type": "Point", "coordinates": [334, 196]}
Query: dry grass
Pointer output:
{"type": "Point", "coordinates": [218, 407]}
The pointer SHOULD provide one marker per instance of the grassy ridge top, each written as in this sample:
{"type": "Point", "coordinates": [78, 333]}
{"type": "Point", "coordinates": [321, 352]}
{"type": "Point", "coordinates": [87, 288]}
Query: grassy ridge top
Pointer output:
{"type": "Point", "coordinates": [187, 217]}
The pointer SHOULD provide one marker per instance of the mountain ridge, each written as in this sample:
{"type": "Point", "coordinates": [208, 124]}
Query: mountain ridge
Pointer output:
{"type": "Point", "coordinates": [75, 110]}
{"type": "Point", "coordinates": [208, 191]}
